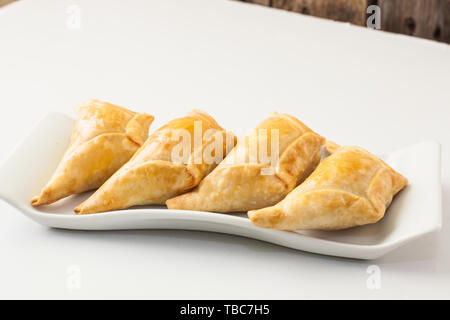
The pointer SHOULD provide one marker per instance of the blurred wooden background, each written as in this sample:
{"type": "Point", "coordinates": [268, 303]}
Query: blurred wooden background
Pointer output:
{"type": "Point", "coordinates": [428, 19]}
{"type": "Point", "coordinates": [5, 2]}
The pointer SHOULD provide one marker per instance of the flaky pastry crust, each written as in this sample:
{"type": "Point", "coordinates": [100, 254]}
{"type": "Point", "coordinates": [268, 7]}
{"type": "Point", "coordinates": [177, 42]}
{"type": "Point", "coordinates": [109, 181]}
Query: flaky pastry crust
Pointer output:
{"type": "Point", "coordinates": [103, 138]}
{"type": "Point", "coordinates": [151, 176]}
{"type": "Point", "coordinates": [243, 182]}
{"type": "Point", "coordinates": [349, 188]}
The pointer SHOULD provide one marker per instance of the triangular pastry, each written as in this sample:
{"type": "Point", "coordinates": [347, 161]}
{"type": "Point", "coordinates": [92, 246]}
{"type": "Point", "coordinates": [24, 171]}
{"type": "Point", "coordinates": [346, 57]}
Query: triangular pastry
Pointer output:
{"type": "Point", "coordinates": [260, 171]}
{"type": "Point", "coordinates": [349, 188]}
{"type": "Point", "coordinates": [103, 138]}
{"type": "Point", "coordinates": [161, 169]}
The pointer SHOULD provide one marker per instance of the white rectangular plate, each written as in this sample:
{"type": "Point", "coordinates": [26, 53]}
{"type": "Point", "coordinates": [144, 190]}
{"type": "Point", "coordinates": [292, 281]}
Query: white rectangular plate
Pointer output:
{"type": "Point", "coordinates": [414, 212]}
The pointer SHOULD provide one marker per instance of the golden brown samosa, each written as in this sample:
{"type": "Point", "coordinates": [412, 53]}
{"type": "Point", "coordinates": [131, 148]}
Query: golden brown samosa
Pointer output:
{"type": "Point", "coordinates": [161, 168]}
{"type": "Point", "coordinates": [260, 171]}
{"type": "Point", "coordinates": [349, 188]}
{"type": "Point", "coordinates": [103, 138]}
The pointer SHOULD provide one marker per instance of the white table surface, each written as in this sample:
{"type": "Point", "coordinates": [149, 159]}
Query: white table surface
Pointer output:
{"type": "Point", "coordinates": [239, 62]}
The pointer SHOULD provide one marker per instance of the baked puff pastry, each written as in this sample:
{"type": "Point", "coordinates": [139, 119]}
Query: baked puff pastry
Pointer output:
{"type": "Point", "coordinates": [103, 138]}
{"type": "Point", "coordinates": [349, 188]}
{"type": "Point", "coordinates": [260, 171]}
{"type": "Point", "coordinates": [173, 160]}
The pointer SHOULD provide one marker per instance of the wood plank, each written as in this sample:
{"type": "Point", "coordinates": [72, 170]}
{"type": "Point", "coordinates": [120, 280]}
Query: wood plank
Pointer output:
{"type": "Point", "coordinates": [5, 2]}
{"type": "Point", "coordinates": [421, 18]}
{"type": "Point", "coordinates": [262, 2]}
{"type": "Point", "coordinates": [353, 11]}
